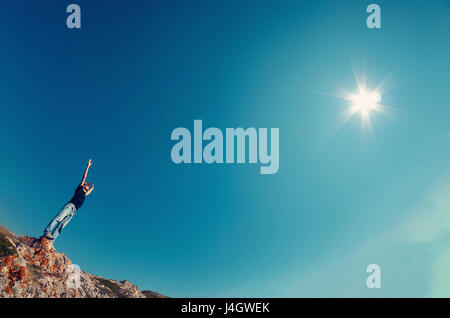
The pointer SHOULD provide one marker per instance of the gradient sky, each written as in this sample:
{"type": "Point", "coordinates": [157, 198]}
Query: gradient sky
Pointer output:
{"type": "Point", "coordinates": [342, 199]}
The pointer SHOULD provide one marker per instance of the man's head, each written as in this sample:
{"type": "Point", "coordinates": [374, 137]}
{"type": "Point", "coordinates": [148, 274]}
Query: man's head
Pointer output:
{"type": "Point", "coordinates": [86, 186]}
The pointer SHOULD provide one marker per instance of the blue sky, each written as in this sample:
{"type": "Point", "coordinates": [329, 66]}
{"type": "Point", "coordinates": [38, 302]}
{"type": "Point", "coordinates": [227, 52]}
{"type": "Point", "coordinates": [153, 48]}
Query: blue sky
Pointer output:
{"type": "Point", "coordinates": [342, 199]}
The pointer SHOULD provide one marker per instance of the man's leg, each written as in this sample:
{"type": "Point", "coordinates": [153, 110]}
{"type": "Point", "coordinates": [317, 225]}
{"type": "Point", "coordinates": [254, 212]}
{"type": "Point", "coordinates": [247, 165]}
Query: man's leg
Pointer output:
{"type": "Point", "coordinates": [57, 219]}
{"type": "Point", "coordinates": [61, 225]}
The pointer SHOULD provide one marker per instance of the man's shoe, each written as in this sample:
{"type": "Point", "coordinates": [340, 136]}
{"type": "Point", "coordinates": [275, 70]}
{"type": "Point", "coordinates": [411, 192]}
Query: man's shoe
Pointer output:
{"type": "Point", "coordinates": [48, 236]}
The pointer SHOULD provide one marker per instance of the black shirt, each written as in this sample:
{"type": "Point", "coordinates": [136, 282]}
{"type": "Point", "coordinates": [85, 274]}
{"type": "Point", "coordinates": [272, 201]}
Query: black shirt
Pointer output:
{"type": "Point", "coordinates": [78, 197]}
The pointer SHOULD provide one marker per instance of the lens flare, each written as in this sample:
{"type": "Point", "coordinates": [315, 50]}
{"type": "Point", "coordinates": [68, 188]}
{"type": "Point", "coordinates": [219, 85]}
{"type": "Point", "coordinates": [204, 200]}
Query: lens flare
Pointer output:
{"type": "Point", "coordinates": [364, 102]}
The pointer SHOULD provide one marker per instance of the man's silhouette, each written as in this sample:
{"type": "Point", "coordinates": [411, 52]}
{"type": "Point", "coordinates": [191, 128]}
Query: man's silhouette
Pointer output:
{"type": "Point", "coordinates": [60, 221]}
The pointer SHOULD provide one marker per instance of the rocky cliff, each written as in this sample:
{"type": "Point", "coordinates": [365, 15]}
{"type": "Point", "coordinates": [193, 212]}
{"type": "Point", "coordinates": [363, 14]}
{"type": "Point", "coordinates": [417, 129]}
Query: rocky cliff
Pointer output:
{"type": "Point", "coordinates": [31, 267]}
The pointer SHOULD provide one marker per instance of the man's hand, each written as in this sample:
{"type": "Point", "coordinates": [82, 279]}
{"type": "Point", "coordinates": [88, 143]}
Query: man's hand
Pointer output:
{"type": "Point", "coordinates": [86, 172]}
{"type": "Point", "coordinates": [90, 190]}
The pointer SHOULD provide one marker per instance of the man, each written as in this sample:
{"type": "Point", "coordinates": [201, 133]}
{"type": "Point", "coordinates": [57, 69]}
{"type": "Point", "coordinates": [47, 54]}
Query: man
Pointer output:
{"type": "Point", "coordinates": [60, 221]}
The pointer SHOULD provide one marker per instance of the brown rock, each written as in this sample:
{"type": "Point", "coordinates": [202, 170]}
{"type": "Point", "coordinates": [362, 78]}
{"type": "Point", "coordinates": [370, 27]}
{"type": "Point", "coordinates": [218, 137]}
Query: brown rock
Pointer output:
{"type": "Point", "coordinates": [38, 270]}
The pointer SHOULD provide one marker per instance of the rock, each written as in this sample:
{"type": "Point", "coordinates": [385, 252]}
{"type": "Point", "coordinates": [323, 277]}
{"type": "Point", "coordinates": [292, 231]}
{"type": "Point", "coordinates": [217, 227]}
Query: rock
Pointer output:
{"type": "Point", "coordinates": [152, 294]}
{"type": "Point", "coordinates": [31, 267]}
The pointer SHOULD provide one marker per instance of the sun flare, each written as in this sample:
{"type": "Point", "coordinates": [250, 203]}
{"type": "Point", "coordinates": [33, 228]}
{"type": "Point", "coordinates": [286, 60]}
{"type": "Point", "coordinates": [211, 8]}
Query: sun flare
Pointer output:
{"type": "Point", "coordinates": [364, 101]}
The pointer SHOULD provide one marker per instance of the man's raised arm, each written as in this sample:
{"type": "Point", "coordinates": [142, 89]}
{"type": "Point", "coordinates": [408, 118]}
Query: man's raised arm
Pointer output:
{"type": "Point", "coordinates": [86, 172]}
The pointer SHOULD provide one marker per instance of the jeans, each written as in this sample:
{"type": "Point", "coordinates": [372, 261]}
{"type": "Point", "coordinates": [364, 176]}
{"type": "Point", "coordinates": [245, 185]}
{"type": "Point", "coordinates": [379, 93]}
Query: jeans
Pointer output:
{"type": "Point", "coordinates": [60, 221]}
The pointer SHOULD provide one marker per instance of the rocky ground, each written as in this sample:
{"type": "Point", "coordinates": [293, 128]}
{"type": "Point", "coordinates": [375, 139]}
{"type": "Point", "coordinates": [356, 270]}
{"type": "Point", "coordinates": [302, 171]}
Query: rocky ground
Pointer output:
{"type": "Point", "coordinates": [31, 267]}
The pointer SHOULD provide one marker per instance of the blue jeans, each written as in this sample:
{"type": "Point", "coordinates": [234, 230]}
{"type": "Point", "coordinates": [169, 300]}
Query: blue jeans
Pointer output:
{"type": "Point", "coordinates": [60, 221]}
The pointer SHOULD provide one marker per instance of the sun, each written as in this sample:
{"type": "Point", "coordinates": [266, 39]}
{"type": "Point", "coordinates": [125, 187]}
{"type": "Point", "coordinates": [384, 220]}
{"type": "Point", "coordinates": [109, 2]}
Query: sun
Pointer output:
{"type": "Point", "coordinates": [365, 101]}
